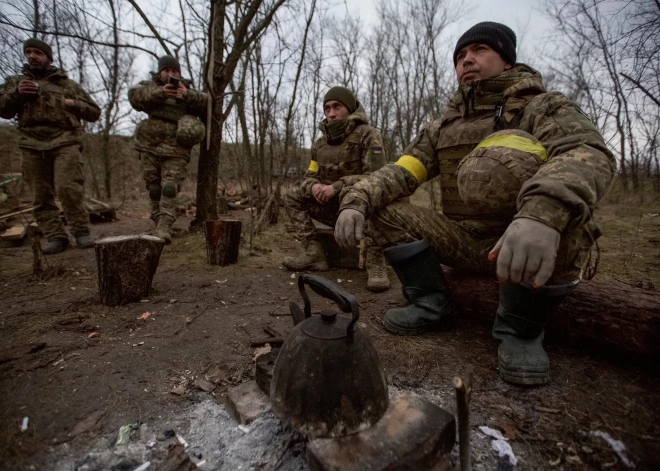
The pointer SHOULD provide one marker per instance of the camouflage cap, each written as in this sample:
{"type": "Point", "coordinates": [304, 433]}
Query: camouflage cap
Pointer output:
{"type": "Point", "coordinates": [491, 176]}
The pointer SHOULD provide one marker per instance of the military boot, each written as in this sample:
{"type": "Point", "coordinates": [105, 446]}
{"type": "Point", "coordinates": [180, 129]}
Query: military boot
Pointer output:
{"type": "Point", "coordinates": [55, 245]}
{"type": "Point", "coordinates": [520, 326]}
{"type": "Point", "coordinates": [164, 227]}
{"type": "Point", "coordinates": [84, 240]}
{"type": "Point", "coordinates": [377, 279]}
{"type": "Point", "coordinates": [312, 258]}
{"type": "Point", "coordinates": [155, 211]}
{"type": "Point", "coordinates": [425, 286]}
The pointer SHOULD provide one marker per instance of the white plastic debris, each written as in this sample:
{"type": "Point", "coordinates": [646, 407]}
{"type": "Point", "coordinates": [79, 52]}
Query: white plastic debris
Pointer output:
{"type": "Point", "coordinates": [617, 445]}
{"type": "Point", "coordinates": [143, 466]}
{"type": "Point", "coordinates": [243, 429]}
{"type": "Point", "coordinates": [182, 441]}
{"type": "Point", "coordinates": [499, 444]}
{"type": "Point", "coordinates": [24, 425]}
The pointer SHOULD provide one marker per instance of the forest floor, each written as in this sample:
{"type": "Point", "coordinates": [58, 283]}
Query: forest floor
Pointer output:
{"type": "Point", "coordinates": [78, 391]}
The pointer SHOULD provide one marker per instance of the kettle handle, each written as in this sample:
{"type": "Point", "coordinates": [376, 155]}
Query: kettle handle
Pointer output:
{"type": "Point", "coordinates": [345, 301]}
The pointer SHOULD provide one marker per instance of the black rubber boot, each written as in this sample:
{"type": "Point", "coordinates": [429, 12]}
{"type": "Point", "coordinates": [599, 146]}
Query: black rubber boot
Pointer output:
{"type": "Point", "coordinates": [425, 286]}
{"type": "Point", "coordinates": [55, 245]}
{"type": "Point", "coordinates": [520, 326]}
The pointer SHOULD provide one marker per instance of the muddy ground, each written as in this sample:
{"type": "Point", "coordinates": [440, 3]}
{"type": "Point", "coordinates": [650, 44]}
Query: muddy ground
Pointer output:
{"type": "Point", "coordinates": [78, 391]}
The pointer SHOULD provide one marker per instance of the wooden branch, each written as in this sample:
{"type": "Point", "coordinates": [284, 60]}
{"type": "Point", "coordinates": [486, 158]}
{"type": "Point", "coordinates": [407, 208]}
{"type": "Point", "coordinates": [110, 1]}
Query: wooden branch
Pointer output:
{"type": "Point", "coordinates": [37, 255]}
{"type": "Point", "coordinates": [151, 26]}
{"type": "Point", "coordinates": [463, 396]}
{"type": "Point", "coordinates": [77, 36]}
{"type": "Point", "coordinates": [638, 84]}
{"type": "Point", "coordinates": [273, 341]}
{"type": "Point", "coordinates": [606, 318]}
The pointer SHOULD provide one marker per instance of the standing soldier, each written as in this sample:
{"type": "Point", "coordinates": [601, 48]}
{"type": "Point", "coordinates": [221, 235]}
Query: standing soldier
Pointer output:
{"type": "Point", "coordinates": [348, 150]}
{"type": "Point", "coordinates": [165, 139]}
{"type": "Point", "coordinates": [521, 171]}
{"type": "Point", "coordinates": [49, 107]}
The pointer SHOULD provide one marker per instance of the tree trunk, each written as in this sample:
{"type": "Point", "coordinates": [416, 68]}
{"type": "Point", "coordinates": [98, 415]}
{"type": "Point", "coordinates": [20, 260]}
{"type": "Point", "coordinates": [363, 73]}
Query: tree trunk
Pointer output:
{"type": "Point", "coordinates": [223, 239]}
{"type": "Point", "coordinates": [618, 321]}
{"type": "Point", "coordinates": [126, 266]}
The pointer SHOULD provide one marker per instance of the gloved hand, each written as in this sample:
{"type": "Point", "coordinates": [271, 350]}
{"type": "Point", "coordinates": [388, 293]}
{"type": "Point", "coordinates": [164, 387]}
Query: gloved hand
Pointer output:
{"type": "Point", "coordinates": [349, 228]}
{"type": "Point", "coordinates": [526, 252]}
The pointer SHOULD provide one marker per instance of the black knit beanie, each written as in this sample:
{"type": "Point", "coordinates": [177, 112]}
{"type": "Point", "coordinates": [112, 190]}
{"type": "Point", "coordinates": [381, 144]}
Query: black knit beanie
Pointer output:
{"type": "Point", "coordinates": [496, 35]}
{"type": "Point", "coordinates": [168, 61]}
{"type": "Point", "coordinates": [342, 95]}
{"type": "Point", "coordinates": [39, 44]}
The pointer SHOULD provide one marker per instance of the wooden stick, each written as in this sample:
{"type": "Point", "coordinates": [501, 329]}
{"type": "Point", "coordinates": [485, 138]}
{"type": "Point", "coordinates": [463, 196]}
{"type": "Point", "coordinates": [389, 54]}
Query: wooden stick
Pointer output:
{"type": "Point", "coordinates": [274, 341]}
{"type": "Point", "coordinates": [463, 396]}
{"type": "Point", "coordinates": [15, 213]}
{"type": "Point", "coordinates": [33, 230]}
{"type": "Point", "coordinates": [272, 332]}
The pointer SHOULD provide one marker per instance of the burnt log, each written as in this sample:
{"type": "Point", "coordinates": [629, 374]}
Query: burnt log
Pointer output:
{"type": "Point", "coordinates": [223, 238]}
{"type": "Point", "coordinates": [615, 320]}
{"type": "Point", "coordinates": [126, 267]}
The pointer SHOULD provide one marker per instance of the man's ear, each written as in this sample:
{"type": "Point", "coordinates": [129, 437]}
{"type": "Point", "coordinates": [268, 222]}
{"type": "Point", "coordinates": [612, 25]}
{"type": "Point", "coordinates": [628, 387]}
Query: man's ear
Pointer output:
{"type": "Point", "coordinates": [508, 66]}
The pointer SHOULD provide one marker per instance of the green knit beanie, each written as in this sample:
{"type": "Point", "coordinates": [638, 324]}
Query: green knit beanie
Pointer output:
{"type": "Point", "coordinates": [168, 61]}
{"type": "Point", "coordinates": [342, 95]}
{"type": "Point", "coordinates": [39, 44]}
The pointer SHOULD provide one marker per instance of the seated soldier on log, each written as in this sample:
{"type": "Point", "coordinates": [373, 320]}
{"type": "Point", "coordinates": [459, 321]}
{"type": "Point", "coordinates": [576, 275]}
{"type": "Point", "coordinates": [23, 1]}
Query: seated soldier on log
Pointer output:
{"type": "Point", "coordinates": [348, 150]}
{"type": "Point", "coordinates": [49, 106]}
{"type": "Point", "coordinates": [165, 139]}
{"type": "Point", "coordinates": [521, 170]}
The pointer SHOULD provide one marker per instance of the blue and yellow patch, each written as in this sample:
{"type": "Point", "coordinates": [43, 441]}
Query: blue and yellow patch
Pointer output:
{"type": "Point", "coordinates": [376, 150]}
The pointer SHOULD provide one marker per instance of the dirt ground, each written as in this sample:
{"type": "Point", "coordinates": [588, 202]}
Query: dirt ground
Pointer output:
{"type": "Point", "coordinates": [78, 391]}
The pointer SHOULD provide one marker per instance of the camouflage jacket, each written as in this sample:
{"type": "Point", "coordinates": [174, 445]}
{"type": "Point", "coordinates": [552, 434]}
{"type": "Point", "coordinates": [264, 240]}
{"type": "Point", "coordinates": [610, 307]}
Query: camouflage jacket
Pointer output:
{"type": "Point", "coordinates": [157, 134]}
{"type": "Point", "coordinates": [565, 189]}
{"type": "Point", "coordinates": [344, 164]}
{"type": "Point", "coordinates": [45, 121]}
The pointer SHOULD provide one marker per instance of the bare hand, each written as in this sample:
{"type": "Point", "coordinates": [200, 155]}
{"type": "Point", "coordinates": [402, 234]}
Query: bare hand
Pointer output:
{"type": "Point", "coordinates": [69, 102]}
{"type": "Point", "coordinates": [170, 91]}
{"type": "Point", "coordinates": [182, 90]}
{"type": "Point", "coordinates": [323, 193]}
{"type": "Point", "coordinates": [27, 87]}
{"type": "Point", "coordinates": [526, 252]}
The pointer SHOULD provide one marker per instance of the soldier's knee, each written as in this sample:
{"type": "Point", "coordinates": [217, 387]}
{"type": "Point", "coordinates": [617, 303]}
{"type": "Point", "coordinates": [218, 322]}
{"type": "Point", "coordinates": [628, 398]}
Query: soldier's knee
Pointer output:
{"type": "Point", "coordinates": [155, 191]}
{"type": "Point", "coordinates": [169, 189]}
{"type": "Point", "coordinates": [292, 196]}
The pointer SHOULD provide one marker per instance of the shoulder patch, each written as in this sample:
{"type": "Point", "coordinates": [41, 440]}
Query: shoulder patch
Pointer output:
{"type": "Point", "coordinates": [377, 149]}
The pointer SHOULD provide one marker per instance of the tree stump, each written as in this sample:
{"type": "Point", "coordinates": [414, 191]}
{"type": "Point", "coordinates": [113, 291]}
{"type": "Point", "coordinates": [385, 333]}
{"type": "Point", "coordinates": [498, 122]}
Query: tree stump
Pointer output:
{"type": "Point", "coordinates": [223, 238]}
{"type": "Point", "coordinates": [126, 266]}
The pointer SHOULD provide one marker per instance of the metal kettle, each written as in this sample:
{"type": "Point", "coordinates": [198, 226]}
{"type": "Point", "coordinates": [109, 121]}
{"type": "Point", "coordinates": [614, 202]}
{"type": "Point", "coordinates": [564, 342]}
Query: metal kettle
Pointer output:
{"type": "Point", "coordinates": [328, 379]}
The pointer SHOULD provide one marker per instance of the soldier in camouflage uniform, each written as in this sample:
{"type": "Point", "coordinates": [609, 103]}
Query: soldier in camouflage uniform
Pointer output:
{"type": "Point", "coordinates": [348, 150]}
{"type": "Point", "coordinates": [165, 139]}
{"type": "Point", "coordinates": [520, 204]}
{"type": "Point", "coordinates": [49, 107]}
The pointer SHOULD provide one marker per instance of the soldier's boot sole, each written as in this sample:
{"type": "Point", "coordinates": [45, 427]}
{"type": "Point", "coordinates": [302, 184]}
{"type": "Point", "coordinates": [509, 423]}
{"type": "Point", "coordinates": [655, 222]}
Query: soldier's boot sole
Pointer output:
{"type": "Point", "coordinates": [166, 236]}
{"type": "Point", "coordinates": [414, 320]}
{"type": "Point", "coordinates": [523, 362]}
{"type": "Point", "coordinates": [378, 285]}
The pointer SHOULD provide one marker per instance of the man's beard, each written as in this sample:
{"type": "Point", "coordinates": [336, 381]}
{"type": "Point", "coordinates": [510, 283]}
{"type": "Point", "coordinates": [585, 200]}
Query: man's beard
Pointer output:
{"type": "Point", "coordinates": [37, 66]}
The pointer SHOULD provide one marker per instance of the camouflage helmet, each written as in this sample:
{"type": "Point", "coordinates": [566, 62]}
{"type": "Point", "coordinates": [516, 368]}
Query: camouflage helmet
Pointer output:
{"type": "Point", "coordinates": [189, 131]}
{"type": "Point", "coordinates": [490, 177]}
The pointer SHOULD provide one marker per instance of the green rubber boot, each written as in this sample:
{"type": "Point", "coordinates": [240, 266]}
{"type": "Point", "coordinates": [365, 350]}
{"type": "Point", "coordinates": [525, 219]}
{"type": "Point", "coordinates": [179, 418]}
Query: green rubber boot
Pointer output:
{"type": "Point", "coordinates": [520, 326]}
{"type": "Point", "coordinates": [164, 227]}
{"type": "Point", "coordinates": [425, 286]}
{"type": "Point", "coordinates": [312, 258]}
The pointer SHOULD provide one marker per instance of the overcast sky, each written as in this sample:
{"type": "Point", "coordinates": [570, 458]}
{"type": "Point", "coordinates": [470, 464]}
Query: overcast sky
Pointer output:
{"type": "Point", "coordinates": [525, 17]}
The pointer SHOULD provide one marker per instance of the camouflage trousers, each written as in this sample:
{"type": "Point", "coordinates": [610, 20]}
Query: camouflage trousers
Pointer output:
{"type": "Point", "coordinates": [466, 249]}
{"type": "Point", "coordinates": [302, 209]}
{"type": "Point", "coordinates": [57, 171]}
{"type": "Point", "coordinates": [163, 177]}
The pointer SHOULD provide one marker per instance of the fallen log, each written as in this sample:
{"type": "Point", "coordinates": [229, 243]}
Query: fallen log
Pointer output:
{"type": "Point", "coordinates": [602, 317]}
{"type": "Point", "coordinates": [223, 238]}
{"type": "Point", "coordinates": [126, 267]}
